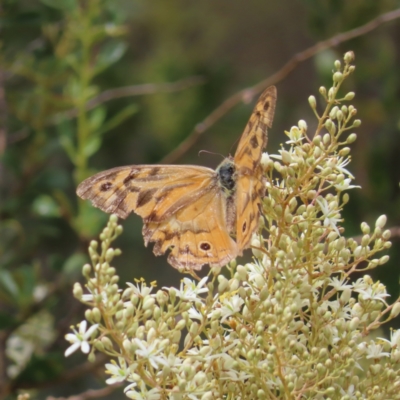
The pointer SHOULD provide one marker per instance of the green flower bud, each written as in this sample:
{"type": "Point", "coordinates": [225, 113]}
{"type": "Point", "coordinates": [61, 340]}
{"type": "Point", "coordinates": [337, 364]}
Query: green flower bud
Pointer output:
{"type": "Point", "coordinates": [78, 291]}
{"type": "Point", "coordinates": [365, 229]}
{"type": "Point", "coordinates": [337, 77]}
{"type": "Point", "coordinates": [302, 125]}
{"type": "Point", "coordinates": [333, 112]}
{"type": "Point", "coordinates": [286, 157]}
{"type": "Point", "coordinates": [148, 302]}
{"type": "Point", "coordinates": [349, 96]}
{"type": "Point", "coordinates": [381, 221]}
{"type": "Point", "coordinates": [313, 102]}
{"type": "Point", "coordinates": [395, 310]}
{"type": "Point", "coordinates": [349, 57]}
{"type": "Point", "coordinates": [384, 260]}
{"type": "Point", "coordinates": [344, 152]}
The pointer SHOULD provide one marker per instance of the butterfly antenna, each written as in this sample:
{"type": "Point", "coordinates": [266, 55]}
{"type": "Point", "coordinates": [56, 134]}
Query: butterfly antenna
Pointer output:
{"type": "Point", "coordinates": [234, 145]}
{"type": "Point", "coordinates": [210, 152]}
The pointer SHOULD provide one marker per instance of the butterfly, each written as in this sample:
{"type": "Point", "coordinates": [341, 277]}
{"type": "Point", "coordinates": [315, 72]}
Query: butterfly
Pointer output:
{"type": "Point", "coordinates": [200, 215]}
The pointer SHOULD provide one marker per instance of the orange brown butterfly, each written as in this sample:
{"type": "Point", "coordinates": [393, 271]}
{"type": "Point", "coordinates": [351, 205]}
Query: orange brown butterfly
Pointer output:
{"type": "Point", "coordinates": [202, 216]}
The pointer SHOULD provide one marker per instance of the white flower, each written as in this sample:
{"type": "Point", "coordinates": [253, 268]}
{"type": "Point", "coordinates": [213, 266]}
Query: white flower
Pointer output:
{"type": "Point", "coordinates": [295, 135]}
{"type": "Point", "coordinates": [189, 291]}
{"type": "Point", "coordinates": [143, 394]}
{"type": "Point", "coordinates": [339, 285]}
{"type": "Point", "coordinates": [231, 306]}
{"type": "Point", "coordinates": [375, 351]}
{"type": "Point", "coordinates": [341, 163]}
{"type": "Point", "coordinates": [90, 296]}
{"type": "Point", "coordinates": [149, 351]}
{"type": "Point", "coordinates": [338, 164]}
{"type": "Point", "coordinates": [233, 375]}
{"type": "Point", "coordinates": [350, 392]}
{"type": "Point", "coordinates": [80, 339]}
{"type": "Point", "coordinates": [141, 289]}
{"type": "Point", "coordinates": [195, 314]}
{"type": "Point", "coordinates": [345, 184]}
{"type": "Point", "coordinates": [359, 284]}
{"type": "Point", "coordinates": [256, 272]}
{"type": "Point", "coordinates": [394, 339]}
{"type": "Point", "coordinates": [331, 215]}
{"type": "Point", "coordinates": [173, 362]}
{"type": "Point", "coordinates": [119, 372]}
{"type": "Point", "coordinates": [370, 293]}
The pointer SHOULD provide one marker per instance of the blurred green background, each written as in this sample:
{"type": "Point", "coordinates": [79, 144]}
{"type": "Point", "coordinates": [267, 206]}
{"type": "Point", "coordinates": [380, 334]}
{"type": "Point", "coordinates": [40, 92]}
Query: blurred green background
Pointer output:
{"type": "Point", "coordinates": [63, 119]}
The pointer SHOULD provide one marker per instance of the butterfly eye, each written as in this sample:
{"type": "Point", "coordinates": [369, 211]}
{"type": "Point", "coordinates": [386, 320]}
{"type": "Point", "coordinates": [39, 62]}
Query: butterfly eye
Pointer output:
{"type": "Point", "coordinates": [105, 186]}
{"type": "Point", "coordinates": [205, 246]}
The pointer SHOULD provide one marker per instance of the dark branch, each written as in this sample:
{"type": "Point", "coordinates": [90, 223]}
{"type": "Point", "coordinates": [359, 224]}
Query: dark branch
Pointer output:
{"type": "Point", "coordinates": [247, 94]}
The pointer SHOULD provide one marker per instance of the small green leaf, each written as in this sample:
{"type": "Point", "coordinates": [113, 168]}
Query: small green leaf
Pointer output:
{"type": "Point", "coordinates": [119, 118]}
{"type": "Point", "coordinates": [91, 146]}
{"type": "Point", "coordinates": [66, 134]}
{"type": "Point", "coordinates": [74, 263]}
{"type": "Point", "coordinates": [90, 221]}
{"type": "Point", "coordinates": [110, 53]}
{"type": "Point", "coordinates": [8, 283]}
{"type": "Point", "coordinates": [96, 118]}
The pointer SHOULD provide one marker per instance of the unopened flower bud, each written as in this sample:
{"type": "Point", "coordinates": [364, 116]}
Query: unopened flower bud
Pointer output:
{"type": "Point", "coordinates": [381, 221]}
{"type": "Point", "coordinates": [313, 102]}
{"type": "Point", "coordinates": [337, 77]}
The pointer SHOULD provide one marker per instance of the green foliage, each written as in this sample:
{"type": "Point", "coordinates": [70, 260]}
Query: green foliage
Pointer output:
{"type": "Point", "coordinates": [297, 322]}
{"type": "Point", "coordinates": [52, 84]}
{"type": "Point", "coordinates": [59, 60]}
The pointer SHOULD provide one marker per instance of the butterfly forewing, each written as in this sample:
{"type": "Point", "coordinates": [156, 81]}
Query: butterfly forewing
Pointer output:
{"type": "Point", "coordinates": [249, 184]}
{"type": "Point", "coordinates": [153, 192]}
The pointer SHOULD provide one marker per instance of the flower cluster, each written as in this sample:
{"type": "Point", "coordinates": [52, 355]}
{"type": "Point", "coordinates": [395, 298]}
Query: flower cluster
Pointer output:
{"type": "Point", "coordinates": [292, 324]}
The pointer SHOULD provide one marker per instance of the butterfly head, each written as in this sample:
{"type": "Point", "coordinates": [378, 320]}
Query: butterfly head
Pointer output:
{"type": "Point", "coordinates": [226, 172]}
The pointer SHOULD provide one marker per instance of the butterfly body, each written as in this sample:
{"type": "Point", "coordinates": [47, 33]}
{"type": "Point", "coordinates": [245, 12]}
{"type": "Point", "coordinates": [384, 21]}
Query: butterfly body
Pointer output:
{"type": "Point", "coordinates": [193, 211]}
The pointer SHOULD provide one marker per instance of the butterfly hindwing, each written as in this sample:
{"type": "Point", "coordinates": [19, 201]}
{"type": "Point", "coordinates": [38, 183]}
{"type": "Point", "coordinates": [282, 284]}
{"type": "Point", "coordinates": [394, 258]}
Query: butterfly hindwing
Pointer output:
{"type": "Point", "coordinates": [197, 234]}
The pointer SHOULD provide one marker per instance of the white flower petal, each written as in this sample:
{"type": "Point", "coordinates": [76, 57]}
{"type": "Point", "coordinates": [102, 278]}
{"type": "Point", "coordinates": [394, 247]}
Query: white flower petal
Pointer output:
{"type": "Point", "coordinates": [72, 349]}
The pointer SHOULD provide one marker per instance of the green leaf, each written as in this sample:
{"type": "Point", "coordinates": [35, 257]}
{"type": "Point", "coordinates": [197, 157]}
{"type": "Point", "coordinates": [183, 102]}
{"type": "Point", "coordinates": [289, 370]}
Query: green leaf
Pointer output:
{"type": "Point", "coordinates": [110, 53]}
{"type": "Point", "coordinates": [96, 118]}
{"type": "Point", "coordinates": [8, 283]}
{"type": "Point", "coordinates": [45, 206]}
{"type": "Point", "coordinates": [75, 263]}
{"type": "Point", "coordinates": [91, 146]}
{"type": "Point", "coordinates": [90, 221]}
{"type": "Point", "coordinates": [64, 5]}
{"type": "Point", "coordinates": [66, 137]}
{"type": "Point", "coordinates": [119, 118]}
